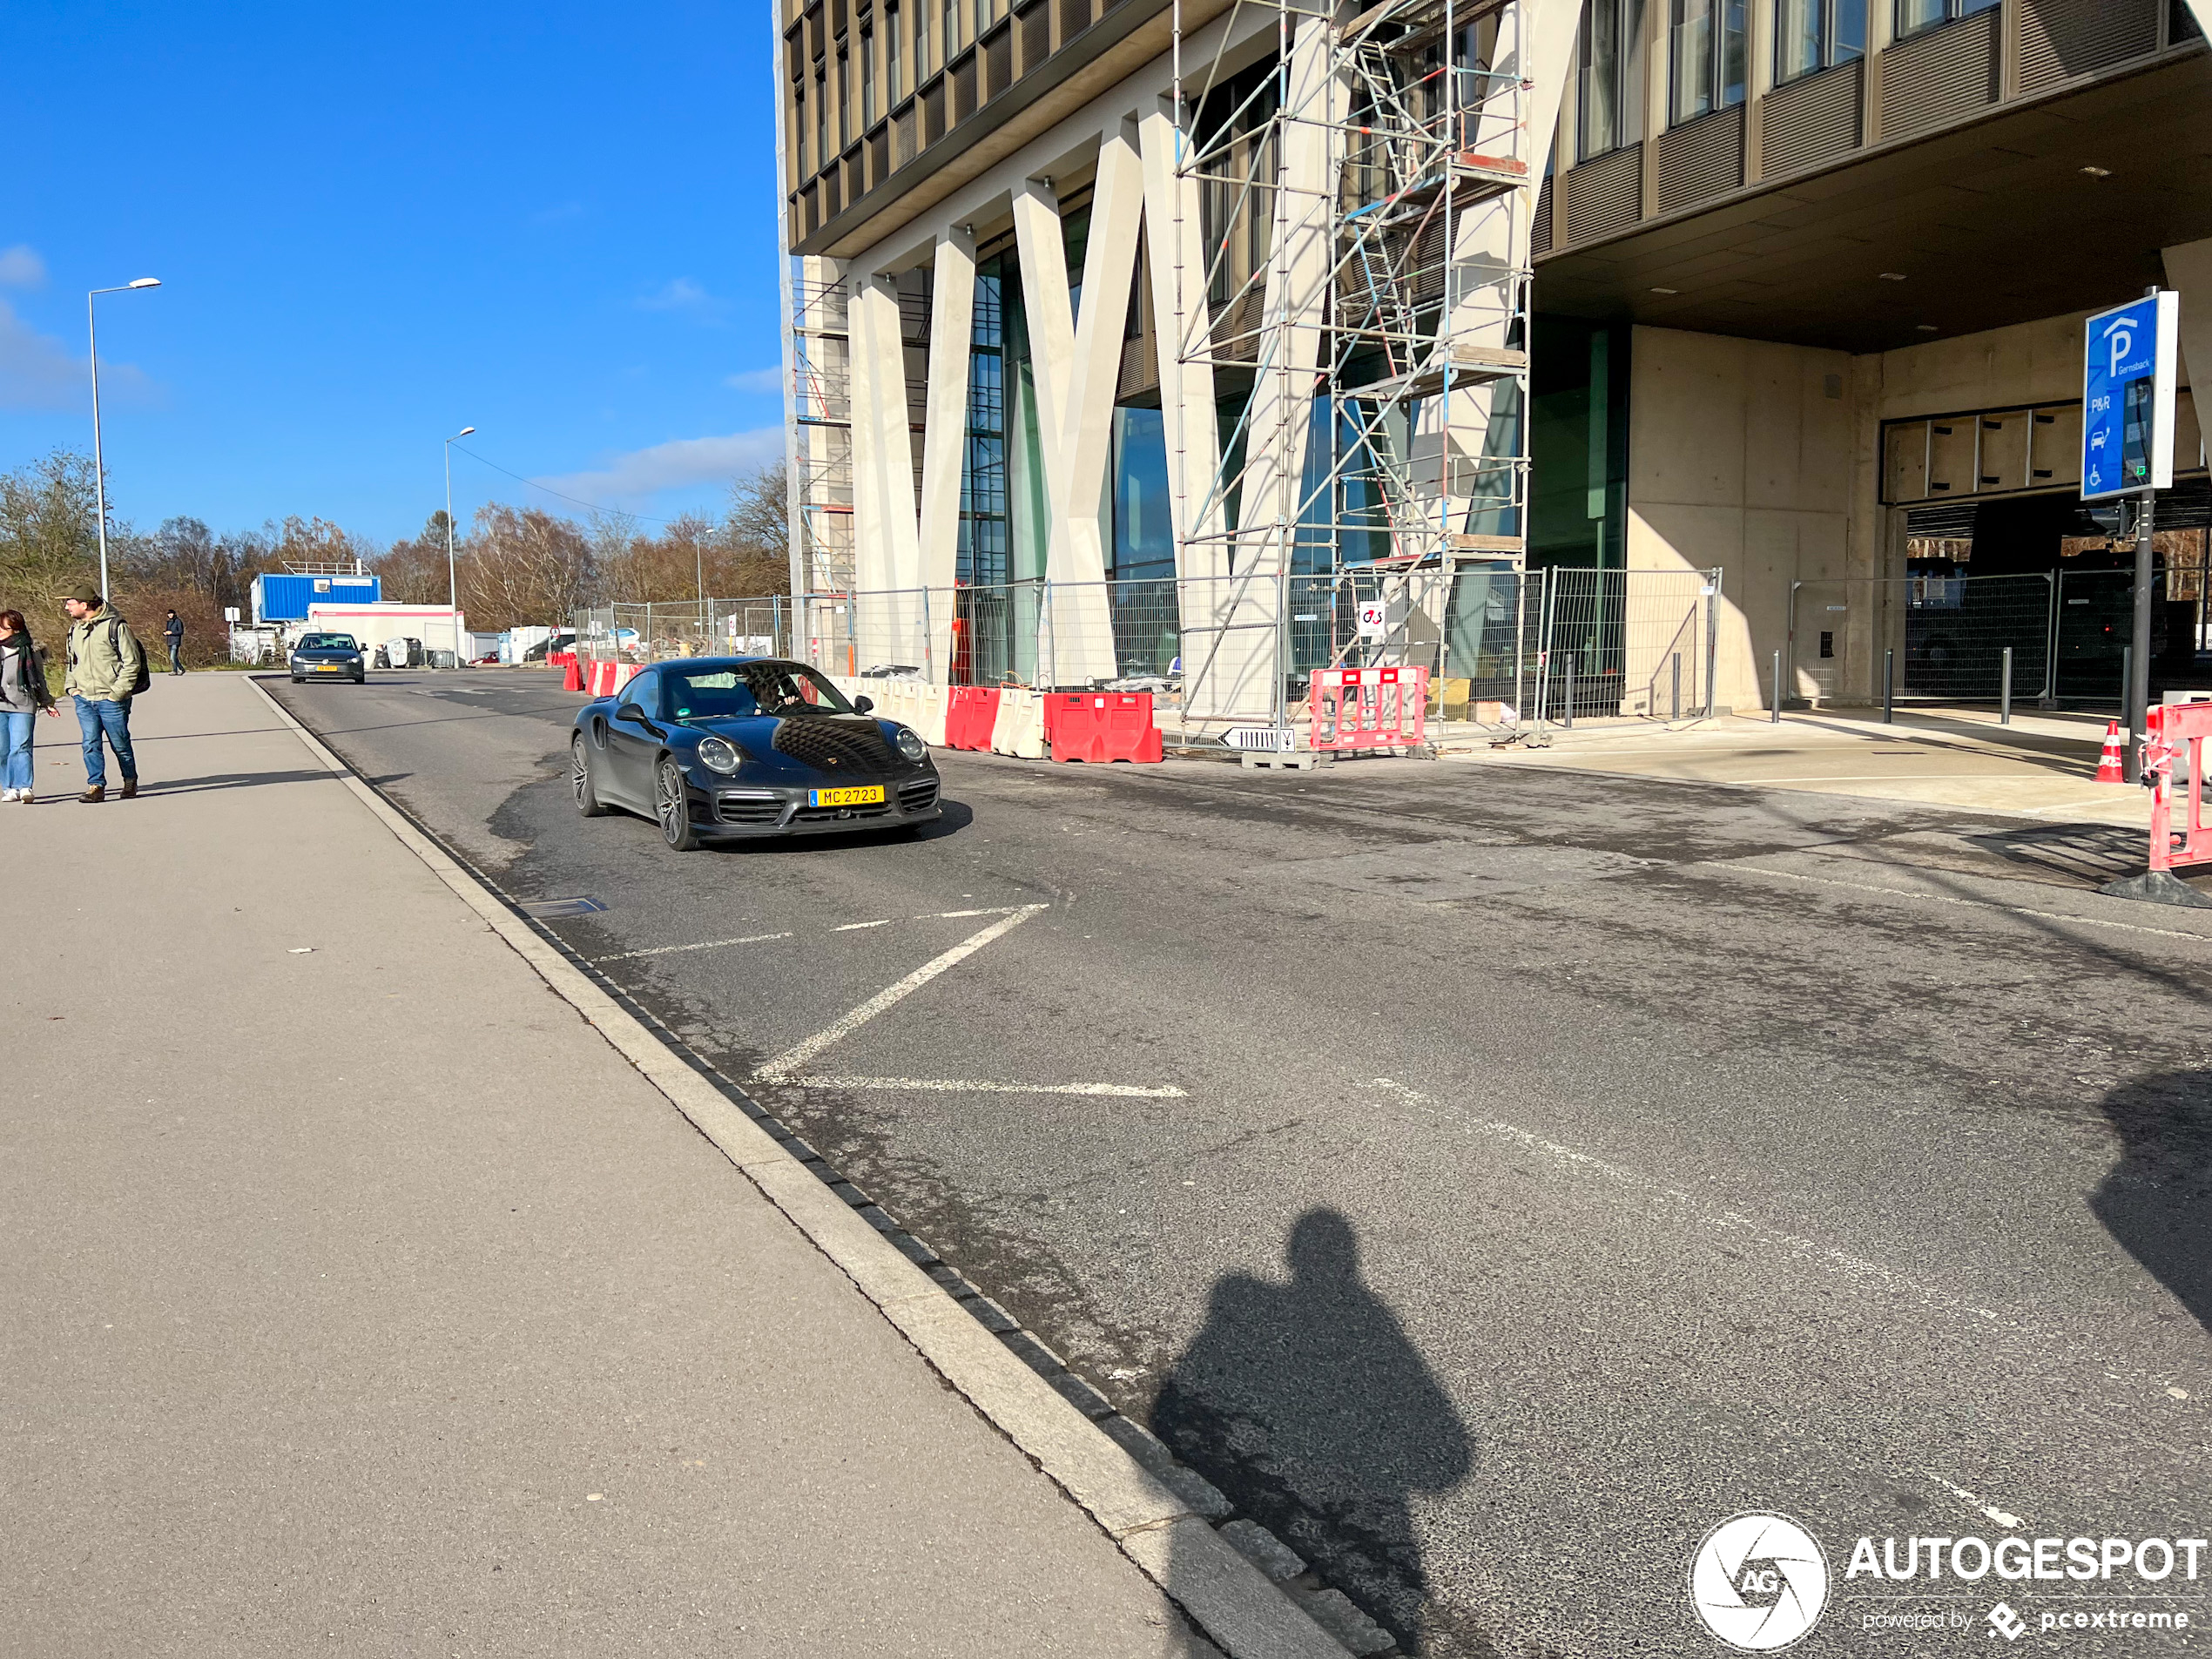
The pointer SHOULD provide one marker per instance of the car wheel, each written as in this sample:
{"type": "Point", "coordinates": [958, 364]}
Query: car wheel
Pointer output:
{"type": "Point", "coordinates": [587, 796]}
{"type": "Point", "coordinates": [296, 679]}
{"type": "Point", "coordinates": [673, 806]}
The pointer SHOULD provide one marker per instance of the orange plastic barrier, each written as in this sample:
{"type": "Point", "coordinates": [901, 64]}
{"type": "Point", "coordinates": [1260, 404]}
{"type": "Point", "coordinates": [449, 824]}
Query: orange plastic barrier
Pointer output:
{"type": "Point", "coordinates": [571, 676]}
{"type": "Point", "coordinates": [1368, 708]}
{"type": "Point", "coordinates": [1102, 725]}
{"type": "Point", "coordinates": [970, 713]}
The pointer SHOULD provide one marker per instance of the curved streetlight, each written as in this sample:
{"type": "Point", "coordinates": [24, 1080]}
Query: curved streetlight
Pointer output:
{"type": "Point", "coordinates": [453, 585]}
{"type": "Point", "coordinates": [99, 469]}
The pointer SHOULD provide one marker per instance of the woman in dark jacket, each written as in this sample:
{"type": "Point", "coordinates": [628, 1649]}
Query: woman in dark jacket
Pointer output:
{"type": "Point", "coordinates": [23, 693]}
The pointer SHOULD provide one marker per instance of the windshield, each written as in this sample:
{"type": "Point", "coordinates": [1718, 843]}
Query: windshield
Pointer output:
{"type": "Point", "coordinates": [735, 690]}
{"type": "Point", "coordinates": [327, 642]}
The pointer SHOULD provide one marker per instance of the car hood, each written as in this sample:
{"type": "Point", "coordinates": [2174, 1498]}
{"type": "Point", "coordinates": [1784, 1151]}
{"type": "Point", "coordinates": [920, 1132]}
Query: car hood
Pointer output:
{"type": "Point", "coordinates": [812, 747]}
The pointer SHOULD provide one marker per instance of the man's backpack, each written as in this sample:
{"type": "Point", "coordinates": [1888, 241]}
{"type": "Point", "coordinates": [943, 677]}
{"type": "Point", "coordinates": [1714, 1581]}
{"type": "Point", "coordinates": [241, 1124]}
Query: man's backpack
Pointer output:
{"type": "Point", "coordinates": [115, 643]}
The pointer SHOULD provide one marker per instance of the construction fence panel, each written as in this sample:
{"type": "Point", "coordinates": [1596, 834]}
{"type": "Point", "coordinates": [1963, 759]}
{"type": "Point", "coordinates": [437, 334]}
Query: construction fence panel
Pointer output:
{"type": "Point", "coordinates": [1958, 628]}
{"type": "Point", "coordinates": [1949, 634]}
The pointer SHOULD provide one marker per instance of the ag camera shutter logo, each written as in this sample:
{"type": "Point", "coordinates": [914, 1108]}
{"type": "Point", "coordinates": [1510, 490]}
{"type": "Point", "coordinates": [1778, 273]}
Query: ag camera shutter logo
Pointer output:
{"type": "Point", "coordinates": [1759, 1582]}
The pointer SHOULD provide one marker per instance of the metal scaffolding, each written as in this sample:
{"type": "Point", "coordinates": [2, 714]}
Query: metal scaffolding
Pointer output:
{"type": "Point", "coordinates": [1360, 320]}
{"type": "Point", "coordinates": [822, 402]}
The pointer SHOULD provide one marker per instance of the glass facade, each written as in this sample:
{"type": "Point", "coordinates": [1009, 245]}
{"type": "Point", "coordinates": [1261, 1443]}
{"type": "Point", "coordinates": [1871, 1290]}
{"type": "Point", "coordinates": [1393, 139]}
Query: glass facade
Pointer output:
{"type": "Point", "coordinates": [1578, 503]}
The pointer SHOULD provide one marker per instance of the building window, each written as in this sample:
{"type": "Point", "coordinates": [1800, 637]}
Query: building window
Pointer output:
{"type": "Point", "coordinates": [1813, 35]}
{"type": "Point", "coordinates": [822, 117]}
{"type": "Point", "coordinates": [868, 79]}
{"type": "Point", "coordinates": [895, 60]}
{"type": "Point", "coordinates": [1710, 54]}
{"type": "Point", "coordinates": [1610, 114]}
{"type": "Point", "coordinates": [844, 134]}
{"type": "Point", "coordinates": [1913, 16]}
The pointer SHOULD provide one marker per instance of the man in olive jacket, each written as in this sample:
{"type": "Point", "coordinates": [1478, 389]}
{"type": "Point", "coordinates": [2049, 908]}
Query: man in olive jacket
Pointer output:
{"type": "Point", "coordinates": [105, 664]}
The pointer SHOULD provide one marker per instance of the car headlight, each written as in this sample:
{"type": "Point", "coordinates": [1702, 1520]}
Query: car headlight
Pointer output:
{"type": "Point", "coordinates": [716, 755]}
{"type": "Point", "coordinates": [911, 746]}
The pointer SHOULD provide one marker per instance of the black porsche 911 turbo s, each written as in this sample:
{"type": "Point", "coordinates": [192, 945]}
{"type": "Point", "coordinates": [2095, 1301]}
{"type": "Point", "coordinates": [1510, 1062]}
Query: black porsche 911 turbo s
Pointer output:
{"type": "Point", "coordinates": [733, 747]}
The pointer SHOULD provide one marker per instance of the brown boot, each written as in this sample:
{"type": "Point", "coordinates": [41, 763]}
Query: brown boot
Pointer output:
{"type": "Point", "coordinates": [130, 788]}
{"type": "Point", "coordinates": [97, 791]}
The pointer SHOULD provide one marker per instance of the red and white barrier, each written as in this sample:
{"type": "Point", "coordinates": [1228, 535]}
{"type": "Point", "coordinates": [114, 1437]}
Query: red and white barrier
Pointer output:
{"type": "Point", "coordinates": [1368, 708]}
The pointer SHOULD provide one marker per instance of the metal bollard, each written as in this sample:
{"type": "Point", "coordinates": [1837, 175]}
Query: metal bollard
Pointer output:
{"type": "Point", "coordinates": [1774, 712]}
{"type": "Point", "coordinates": [1675, 707]}
{"type": "Point", "coordinates": [2004, 691]}
{"type": "Point", "coordinates": [1567, 720]}
{"type": "Point", "coordinates": [1889, 687]}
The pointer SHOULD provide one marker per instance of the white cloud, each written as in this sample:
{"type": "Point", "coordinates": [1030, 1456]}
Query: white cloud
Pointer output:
{"type": "Point", "coordinates": [21, 267]}
{"type": "Point", "coordinates": [757, 380]}
{"type": "Point", "coordinates": [685, 296]}
{"type": "Point", "coordinates": [681, 463]}
{"type": "Point", "coordinates": [38, 371]}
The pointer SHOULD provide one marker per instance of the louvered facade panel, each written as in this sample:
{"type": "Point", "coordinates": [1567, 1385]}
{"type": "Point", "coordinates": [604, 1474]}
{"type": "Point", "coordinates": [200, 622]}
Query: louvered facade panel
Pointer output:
{"type": "Point", "coordinates": [1540, 234]}
{"type": "Point", "coordinates": [2061, 40]}
{"type": "Point", "coordinates": [1943, 76]}
{"type": "Point", "coordinates": [1809, 121]}
{"type": "Point", "coordinates": [1701, 160]}
{"type": "Point", "coordinates": [1605, 195]}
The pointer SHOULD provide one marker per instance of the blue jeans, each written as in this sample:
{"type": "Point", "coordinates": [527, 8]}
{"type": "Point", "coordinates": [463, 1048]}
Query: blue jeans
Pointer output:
{"type": "Point", "coordinates": [14, 749]}
{"type": "Point", "coordinates": [113, 719]}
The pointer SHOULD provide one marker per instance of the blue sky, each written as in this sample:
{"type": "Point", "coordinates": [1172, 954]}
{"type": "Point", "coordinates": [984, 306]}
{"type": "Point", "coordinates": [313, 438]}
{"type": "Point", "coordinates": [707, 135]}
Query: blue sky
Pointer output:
{"type": "Point", "coordinates": [377, 225]}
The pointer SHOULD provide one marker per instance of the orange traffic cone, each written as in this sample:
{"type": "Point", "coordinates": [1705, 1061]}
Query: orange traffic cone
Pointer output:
{"type": "Point", "coordinates": [2112, 766]}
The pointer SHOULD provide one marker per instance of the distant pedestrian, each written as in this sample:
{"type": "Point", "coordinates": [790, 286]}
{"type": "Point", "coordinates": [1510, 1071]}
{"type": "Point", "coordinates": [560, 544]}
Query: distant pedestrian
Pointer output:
{"type": "Point", "coordinates": [107, 668]}
{"type": "Point", "coordinates": [173, 631]}
{"type": "Point", "coordinates": [23, 693]}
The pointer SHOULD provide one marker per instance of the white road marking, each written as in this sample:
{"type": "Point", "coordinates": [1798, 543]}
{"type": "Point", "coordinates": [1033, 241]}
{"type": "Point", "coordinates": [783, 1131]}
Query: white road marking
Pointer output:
{"type": "Point", "coordinates": [2012, 1523]}
{"type": "Point", "coordinates": [792, 1059]}
{"type": "Point", "coordinates": [708, 944]}
{"type": "Point", "coordinates": [1970, 904]}
{"type": "Point", "coordinates": [762, 939]}
{"type": "Point", "coordinates": [1856, 1269]}
{"type": "Point", "coordinates": [958, 1085]}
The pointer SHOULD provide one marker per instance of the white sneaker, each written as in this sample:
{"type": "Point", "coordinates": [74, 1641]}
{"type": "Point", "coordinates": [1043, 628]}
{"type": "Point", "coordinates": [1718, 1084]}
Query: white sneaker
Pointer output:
{"type": "Point", "coordinates": [11, 794]}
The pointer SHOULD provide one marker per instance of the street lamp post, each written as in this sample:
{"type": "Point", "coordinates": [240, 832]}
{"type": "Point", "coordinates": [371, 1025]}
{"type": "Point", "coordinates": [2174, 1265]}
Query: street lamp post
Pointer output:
{"type": "Point", "coordinates": [100, 468]}
{"type": "Point", "coordinates": [453, 584]}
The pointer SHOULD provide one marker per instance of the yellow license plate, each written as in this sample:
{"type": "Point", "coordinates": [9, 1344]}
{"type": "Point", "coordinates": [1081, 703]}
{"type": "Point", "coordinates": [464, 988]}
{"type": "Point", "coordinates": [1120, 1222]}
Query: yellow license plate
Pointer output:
{"type": "Point", "coordinates": [870, 795]}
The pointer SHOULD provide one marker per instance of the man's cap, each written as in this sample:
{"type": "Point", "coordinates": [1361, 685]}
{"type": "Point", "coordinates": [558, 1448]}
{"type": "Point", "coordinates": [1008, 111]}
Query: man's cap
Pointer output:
{"type": "Point", "coordinates": [84, 593]}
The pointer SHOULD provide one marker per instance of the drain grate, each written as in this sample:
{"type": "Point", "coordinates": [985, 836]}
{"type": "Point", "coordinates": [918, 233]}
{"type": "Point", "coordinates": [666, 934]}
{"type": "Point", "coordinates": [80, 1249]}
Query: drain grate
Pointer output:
{"type": "Point", "coordinates": [554, 909]}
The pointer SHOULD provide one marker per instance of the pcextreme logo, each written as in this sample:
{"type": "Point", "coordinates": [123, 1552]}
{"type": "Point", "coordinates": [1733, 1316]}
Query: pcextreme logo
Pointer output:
{"type": "Point", "coordinates": [1759, 1582]}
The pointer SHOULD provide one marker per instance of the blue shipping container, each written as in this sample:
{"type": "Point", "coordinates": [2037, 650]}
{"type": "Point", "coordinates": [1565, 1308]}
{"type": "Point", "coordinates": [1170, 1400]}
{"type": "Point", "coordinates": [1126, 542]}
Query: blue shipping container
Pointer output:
{"type": "Point", "coordinates": [286, 599]}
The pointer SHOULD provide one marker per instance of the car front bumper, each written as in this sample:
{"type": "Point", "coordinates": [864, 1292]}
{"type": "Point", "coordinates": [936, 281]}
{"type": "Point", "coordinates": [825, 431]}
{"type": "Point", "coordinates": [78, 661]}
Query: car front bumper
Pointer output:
{"type": "Point", "coordinates": [736, 810]}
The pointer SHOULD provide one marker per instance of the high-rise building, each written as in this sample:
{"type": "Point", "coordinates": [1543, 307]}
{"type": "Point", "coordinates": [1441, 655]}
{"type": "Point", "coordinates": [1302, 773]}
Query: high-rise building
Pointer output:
{"type": "Point", "coordinates": [1137, 340]}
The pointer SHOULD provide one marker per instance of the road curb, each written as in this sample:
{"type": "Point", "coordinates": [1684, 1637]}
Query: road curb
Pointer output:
{"type": "Point", "coordinates": [1164, 1533]}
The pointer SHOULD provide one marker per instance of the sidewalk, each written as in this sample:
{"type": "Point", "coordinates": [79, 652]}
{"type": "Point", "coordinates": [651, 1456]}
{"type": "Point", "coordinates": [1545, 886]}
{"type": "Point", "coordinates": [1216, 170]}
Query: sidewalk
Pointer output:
{"type": "Point", "coordinates": [360, 1298]}
{"type": "Point", "coordinates": [2042, 765]}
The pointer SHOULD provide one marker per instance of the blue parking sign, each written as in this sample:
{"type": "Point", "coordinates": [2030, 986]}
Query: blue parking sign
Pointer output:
{"type": "Point", "coordinates": [2127, 397]}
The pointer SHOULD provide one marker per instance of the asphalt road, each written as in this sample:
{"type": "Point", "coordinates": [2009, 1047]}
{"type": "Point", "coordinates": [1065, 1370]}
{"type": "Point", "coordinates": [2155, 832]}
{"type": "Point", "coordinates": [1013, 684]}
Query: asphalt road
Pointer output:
{"type": "Point", "coordinates": [1491, 1179]}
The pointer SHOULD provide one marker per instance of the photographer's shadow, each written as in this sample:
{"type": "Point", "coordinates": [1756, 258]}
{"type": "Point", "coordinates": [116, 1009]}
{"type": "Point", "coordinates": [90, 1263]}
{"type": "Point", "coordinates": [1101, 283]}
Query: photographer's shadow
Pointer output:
{"type": "Point", "coordinates": [1307, 1405]}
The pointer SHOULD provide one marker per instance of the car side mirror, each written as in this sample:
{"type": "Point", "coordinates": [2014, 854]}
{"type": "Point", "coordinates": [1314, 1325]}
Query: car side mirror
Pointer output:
{"type": "Point", "coordinates": [631, 712]}
{"type": "Point", "coordinates": [863, 704]}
